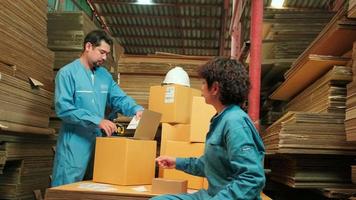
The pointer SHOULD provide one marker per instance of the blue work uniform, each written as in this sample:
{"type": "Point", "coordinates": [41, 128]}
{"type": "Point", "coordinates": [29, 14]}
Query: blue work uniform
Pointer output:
{"type": "Point", "coordinates": [232, 160]}
{"type": "Point", "coordinates": [81, 97]}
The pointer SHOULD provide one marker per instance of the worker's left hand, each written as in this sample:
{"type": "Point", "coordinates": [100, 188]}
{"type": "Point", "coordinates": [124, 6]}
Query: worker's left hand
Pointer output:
{"type": "Point", "coordinates": [139, 114]}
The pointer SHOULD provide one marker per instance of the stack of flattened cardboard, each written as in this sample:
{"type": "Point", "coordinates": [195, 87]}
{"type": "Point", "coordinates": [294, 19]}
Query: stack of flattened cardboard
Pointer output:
{"type": "Point", "coordinates": [66, 33]}
{"type": "Point", "coordinates": [2, 158]}
{"type": "Point", "coordinates": [139, 73]}
{"type": "Point", "coordinates": [25, 60]}
{"type": "Point", "coordinates": [66, 30]}
{"type": "Point", "coordinates": [350, 118]}
{"type": "Point", "coordinates": [308, 133]}
{"type": "Point", "coordinates": [308, 71]}
{"type": "Point", "coordinates": [353, 174]}
{"type": "Point", "coordinates": [311, 172]}
{"type": "Point", "coordinates": [28, 165]}
{"type": "Point", "coordinates": [315, 121]}
{"type": "Point", "coordinates": [23, 50]}
{"type": "Point", "coordinates": [24, 109]}
{"type": "Point", "coordinates": [25, 63]}
{"type": "Point", "coordinates": [335, 39]}
{"type": "Point", "coordinates": [352, 9]}
{"type": "Point", "coordinates": [338, 193]}
{"type": "Point", "coordinates": [327, 94]}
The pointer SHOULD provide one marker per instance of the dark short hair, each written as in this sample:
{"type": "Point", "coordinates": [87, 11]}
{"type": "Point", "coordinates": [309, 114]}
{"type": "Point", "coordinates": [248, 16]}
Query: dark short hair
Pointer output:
{"type": "Point", "coordinates": [232, 76]}
{"type": "Point", "coordinates": [95, 37]}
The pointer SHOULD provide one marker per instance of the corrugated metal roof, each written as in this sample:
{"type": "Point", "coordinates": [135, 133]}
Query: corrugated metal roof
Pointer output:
{"type": "Point", "coordinates": [190, 27]}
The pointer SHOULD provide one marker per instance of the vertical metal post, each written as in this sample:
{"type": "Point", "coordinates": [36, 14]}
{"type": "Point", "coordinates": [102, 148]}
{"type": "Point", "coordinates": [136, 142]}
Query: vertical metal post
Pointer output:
{"type": "Point", "coordinates": [255, 61]}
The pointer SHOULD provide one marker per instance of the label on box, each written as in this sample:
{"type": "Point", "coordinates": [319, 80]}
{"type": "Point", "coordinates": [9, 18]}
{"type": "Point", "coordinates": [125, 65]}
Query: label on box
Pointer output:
{"type": "Point", "coordinates": [133, 123]}
{"type": "Point", "coordinates": [169, 95]}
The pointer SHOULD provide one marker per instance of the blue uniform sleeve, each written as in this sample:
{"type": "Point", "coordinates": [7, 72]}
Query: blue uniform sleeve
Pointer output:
{"type": "Point", "coordinates": [119, 102]}
{"type": "Point", "coordinates": [193, 166]}
{"type": "Point", "coordinates": [245, 151]}
{"type": "Point", "coordinates": [65, 107]}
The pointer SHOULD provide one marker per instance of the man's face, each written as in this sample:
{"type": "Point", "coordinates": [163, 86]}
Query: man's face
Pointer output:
{"type": "Point", "coordinates": [98, 55]}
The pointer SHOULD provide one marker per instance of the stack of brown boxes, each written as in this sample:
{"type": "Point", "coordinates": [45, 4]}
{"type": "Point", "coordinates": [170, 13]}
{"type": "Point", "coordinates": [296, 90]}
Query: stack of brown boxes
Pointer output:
{"type": "Point", "coordinates": [185, 122]}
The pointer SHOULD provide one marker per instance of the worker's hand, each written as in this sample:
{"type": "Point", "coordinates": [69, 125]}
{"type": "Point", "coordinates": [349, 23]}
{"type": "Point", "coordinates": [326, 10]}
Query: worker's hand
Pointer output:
{"type": "Point", "coordinates": [166, 162]}
{"type": "Point", "coordinates": [139, 114]}
{"type": "Point", "coordinates": [108, 126]}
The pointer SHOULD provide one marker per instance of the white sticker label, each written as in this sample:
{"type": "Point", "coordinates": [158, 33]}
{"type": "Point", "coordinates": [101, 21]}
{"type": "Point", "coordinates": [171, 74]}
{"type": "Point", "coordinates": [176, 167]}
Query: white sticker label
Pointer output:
{"type": "Point", "coordinates": [169, 96]}
{"type": "Point", "coordinates": [133, 123]}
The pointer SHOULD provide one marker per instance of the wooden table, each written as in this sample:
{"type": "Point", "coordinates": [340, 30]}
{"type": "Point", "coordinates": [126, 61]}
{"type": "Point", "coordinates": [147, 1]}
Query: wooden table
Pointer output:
{"type": "Point", "coordinates": [89, 190]}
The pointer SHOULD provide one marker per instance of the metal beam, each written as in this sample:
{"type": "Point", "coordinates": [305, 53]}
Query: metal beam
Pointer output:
{"type": "Point", "coordinates": [225, 8]}
{"type": "Point", "coordinates": [161, 27]}
{"type": "Point", "coordinates": [255, 61]}
{"type": "Point", "coordinates": [158, 16]}
{"type": "Point", "coordinates": [201, 5]}
{"type": "Point", "coordinates": [130, 36]}
{"type": "Point", "coordinates": [167, 47]}
{"type": "Point", "coordinates": [98, 16]}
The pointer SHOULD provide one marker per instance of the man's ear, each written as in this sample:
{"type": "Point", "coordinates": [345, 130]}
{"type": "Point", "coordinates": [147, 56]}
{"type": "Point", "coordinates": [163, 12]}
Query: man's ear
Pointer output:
{"type": "Point", "coordinates": [88, 46]}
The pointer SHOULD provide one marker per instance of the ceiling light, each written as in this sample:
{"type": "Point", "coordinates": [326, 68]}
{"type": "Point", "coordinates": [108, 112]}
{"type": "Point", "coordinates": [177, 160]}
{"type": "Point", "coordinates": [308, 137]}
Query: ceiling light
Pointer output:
{"type": "Point", "coordinates": [144, 2]}
{"type": "Point", "coordinates": [277, 3]}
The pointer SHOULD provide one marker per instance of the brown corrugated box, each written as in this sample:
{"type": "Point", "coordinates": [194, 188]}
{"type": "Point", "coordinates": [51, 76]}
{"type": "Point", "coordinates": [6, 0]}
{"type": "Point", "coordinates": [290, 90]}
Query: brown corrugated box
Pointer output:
{"type": "Point", "coordinates": [169, 186]}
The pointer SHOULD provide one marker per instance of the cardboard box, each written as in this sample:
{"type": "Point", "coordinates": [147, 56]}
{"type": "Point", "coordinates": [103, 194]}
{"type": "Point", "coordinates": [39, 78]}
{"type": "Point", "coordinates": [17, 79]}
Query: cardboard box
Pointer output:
{"type": "Point", "coordinates": [168, 186]}
{"type": "Point", "coordinates": [173, 101]}
{"type": "Point", "coordinates": [121, 161]}
{"type": "Point", "coordinates": [201, 114]}
{"type": "Point", "coordinates": [184, 150]}
{"type": "Point", "coordinates": [205, 183]}
{"type": "Point", "coordinates": [177, 132]}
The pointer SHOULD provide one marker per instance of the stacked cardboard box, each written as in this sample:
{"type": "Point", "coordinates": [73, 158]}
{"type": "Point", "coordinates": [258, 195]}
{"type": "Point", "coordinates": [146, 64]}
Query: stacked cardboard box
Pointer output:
{"type": "Point", "coordinates": [134, 163]}
{"type": "Point", "coordinates": [139, 72]}
{"type": "Point", "coordinates": [185, 122]}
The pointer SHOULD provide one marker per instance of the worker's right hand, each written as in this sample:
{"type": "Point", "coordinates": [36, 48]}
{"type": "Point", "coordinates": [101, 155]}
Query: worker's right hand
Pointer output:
{"type": "Point", "coordinates": [166, 162]}
{"type": "Point", "coordinates": [108, 126]}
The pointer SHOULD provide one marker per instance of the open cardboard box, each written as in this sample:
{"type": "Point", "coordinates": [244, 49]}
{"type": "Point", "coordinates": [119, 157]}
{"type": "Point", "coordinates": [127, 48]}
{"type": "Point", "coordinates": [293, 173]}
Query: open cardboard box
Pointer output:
{"type": "Point", "coordinates": [128, 161]}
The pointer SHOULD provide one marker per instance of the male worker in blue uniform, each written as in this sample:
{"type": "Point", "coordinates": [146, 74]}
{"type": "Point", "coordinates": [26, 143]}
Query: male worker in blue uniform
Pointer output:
{"type": "Point", "coordinates": [83, 90]}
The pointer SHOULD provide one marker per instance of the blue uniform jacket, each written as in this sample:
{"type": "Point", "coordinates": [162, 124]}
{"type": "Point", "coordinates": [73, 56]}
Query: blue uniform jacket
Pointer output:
{"type": "Point", "coordinates": [233, 157]}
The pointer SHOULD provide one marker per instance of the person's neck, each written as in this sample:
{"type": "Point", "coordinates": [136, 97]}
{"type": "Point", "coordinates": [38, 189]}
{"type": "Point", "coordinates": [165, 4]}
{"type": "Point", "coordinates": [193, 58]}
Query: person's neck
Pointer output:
{"type": "Point", "coordinates": [219, 107]}
{"type": "Point", "coordinates": [85, 62]}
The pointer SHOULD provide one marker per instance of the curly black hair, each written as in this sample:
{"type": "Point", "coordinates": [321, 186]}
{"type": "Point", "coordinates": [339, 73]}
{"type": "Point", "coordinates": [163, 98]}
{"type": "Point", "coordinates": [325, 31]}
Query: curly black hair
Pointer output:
{"type": "Point", "coordinates": [233, 79]}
